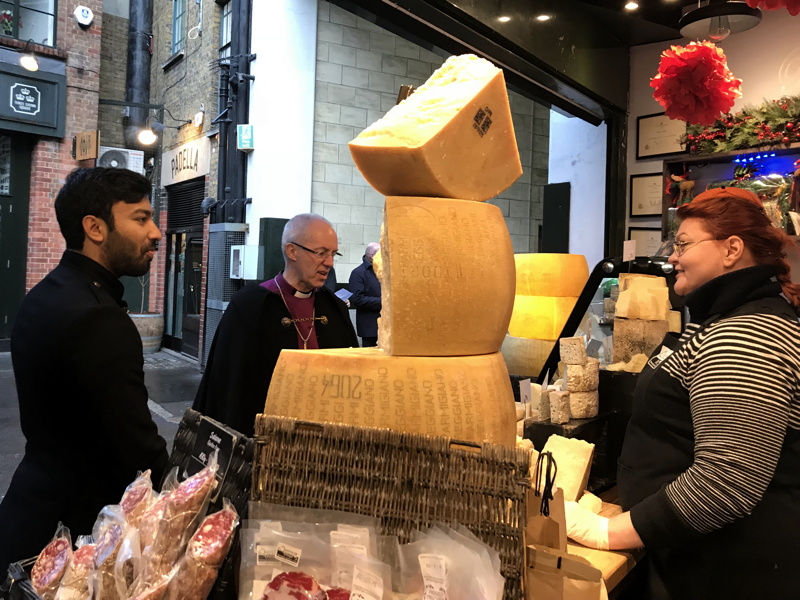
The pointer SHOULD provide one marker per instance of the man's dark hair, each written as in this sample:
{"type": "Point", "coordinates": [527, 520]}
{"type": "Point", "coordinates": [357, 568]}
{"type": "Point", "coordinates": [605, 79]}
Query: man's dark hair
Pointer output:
{"type": "Point", "coordinates": [93, 192]}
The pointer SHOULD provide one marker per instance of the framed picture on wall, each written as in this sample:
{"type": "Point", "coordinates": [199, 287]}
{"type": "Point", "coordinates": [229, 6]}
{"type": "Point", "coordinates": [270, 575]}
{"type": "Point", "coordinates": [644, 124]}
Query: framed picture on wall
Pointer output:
{"type": "Point", "coordinates": [658, 135]}
{"type": "Point", "coordinates": [647, 195]}
{"type": "Point", "coordinates": [648, 240]}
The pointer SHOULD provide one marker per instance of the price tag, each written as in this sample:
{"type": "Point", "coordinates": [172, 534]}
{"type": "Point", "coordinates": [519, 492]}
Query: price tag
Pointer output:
{"type": "Point", "coordinates": [212, 437]}
{"type": "Point", "coordinates": [525, 395]}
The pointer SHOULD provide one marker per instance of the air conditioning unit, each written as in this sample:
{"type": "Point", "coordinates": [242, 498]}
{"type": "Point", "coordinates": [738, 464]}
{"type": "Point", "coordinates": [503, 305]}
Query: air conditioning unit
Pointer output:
{"type": "Point", "coordinates": [121, 158]}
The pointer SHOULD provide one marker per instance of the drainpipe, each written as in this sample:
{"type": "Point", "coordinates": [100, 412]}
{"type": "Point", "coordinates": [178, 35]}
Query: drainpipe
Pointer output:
{"type": "Point", "coordinates": [137, 82]}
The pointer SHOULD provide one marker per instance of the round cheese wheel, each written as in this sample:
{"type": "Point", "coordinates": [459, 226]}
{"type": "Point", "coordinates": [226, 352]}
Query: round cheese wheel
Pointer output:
{"type": "Point", "coordinates": [544, 274]}
{"type": "Point", "coordinates": [540, 317]}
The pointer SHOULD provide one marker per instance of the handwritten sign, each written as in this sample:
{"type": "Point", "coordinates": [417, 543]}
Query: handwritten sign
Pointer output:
{"type": "Point", "coordinates": [212, 437]}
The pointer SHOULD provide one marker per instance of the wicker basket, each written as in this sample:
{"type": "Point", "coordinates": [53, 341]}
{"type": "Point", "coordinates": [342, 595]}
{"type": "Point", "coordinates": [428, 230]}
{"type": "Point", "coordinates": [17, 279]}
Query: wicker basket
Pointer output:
{"type": "Point", "coordinates": [408, 481]}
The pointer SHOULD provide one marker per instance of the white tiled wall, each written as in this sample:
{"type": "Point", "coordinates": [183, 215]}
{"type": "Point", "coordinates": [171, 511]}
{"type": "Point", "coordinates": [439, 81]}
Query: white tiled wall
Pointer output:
{"type": "Point", "coordinates": [360, 68]}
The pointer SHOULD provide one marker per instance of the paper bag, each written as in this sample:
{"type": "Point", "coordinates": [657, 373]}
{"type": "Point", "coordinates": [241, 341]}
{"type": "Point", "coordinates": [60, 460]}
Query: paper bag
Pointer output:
{"type": "Point", "coordinates": [555, 575]}
{"type": "Point", "coordinates": [546, 523]}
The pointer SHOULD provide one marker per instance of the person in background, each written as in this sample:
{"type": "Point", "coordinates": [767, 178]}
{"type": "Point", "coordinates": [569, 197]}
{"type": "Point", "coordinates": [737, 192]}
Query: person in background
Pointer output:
{"type": "Point", "coordinates": [294, 310]}
{"type": "Point", "coordinates": [709, 473]}
{"type": "Point", "coordinates": [78, 367]}
{"type": "Point", "coordinates": [366, 298]}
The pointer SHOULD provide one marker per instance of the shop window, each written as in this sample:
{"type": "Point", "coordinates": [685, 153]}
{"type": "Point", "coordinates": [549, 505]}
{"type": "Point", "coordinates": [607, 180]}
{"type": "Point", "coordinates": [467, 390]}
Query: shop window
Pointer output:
{"type": "Point", "coordinates": [178, 26]}
{"type": "Point", "coordinates": [225, 30]}
{"type": "Point", "coordinates": [29, 20]}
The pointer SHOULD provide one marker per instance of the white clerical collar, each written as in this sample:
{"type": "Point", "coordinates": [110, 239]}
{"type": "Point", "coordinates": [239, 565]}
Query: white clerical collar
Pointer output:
{"type": "Point", "coordinates": [299, 294]}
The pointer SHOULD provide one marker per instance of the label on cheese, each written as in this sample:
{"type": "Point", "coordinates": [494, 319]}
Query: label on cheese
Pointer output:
{"type": "Point", "coordinates": [452, 138]}
{"type": "Point", "coordinates": [544, 274]}
{"type": "Point", "coordinates": [447, 286]}
{"type": "Point", "coordinates": [466, 398]}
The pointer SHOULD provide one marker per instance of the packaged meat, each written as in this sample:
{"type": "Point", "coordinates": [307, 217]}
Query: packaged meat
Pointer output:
{"type": "Point", "coordinates": [137, 498]}
{"type": "Point", "coordinates": [182, 508]}
{"type": "Point", "coordinates": [108, 532]}
{"type": "Point", "coordinates": [157, 589]}
{"type": "Point", "coordinates": [338, 594]}
{"type": "Point", "coordinates": [197, 570]}
{"type": "Point", "coordinates": [292, 586]}
{"type": "Point", "coordinates": [75, 583]}
{"type": "Point", "coordinates": [127, 563]}
{"type": "Point", "coordinates": [52, 562]}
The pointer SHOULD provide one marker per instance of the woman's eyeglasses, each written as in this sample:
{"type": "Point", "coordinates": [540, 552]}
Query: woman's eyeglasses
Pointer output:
{"type": "Point", "coordinates": [680, 247]}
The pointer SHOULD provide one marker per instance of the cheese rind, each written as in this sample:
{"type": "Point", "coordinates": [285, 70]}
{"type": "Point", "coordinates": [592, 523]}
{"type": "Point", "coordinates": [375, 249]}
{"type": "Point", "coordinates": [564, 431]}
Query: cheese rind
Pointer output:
{"type": "Point", "coordinates": [465, 397]}
{"type": "Point", "coordinates": [574, 459]}
{"type": "Point", "coordinates": [584, 405]}
{"type": "Point", "coordinates": [525, 356]}
{"type": "Point", "coordinates": [540, 317]}
{"type": "Point", "coordinates": [583, 378]}
{"type": "Point", "coordinates": [447, 285]}
{"type": "Point", "coordinates": [551, 274]}
{"type": "Point", "coordinates": [636, 336]}
{"type": "Point", "coordinates": [452, 138]}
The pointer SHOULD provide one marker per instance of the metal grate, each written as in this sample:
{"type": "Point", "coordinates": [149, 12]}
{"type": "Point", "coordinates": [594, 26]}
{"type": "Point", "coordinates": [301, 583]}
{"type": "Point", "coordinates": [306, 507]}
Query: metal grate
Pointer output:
{"type": "Point", "coordinates": [183, 205]}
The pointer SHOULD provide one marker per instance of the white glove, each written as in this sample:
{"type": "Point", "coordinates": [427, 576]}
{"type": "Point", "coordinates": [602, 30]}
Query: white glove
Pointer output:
{"type": "Point", "coordinates": [585, 527]}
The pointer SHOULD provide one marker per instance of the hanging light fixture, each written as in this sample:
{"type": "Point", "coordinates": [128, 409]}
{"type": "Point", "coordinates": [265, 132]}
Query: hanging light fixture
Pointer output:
{"type": "Point", "coordinates": [717, 19]}
{"type": "Point", "coordinates": [28, 59]}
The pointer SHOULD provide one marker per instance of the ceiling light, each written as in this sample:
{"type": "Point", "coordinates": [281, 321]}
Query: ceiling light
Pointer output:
{"type": "Point", "coordinates": [543, 18]}
{"type": "Point", "coordinates": [28, 59]}
{"type": "Point", "coordinates": [717, 19]}
{"type": "Point", "coordinates": [631, 6]}
{"type": "Point", "coordinates": [504, 19]}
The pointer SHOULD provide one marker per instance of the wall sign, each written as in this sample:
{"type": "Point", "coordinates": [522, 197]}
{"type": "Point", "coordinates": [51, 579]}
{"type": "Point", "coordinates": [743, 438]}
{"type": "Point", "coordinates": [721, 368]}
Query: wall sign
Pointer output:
{"type": "Point", "coordinates": [25, 99]}
{"type": "Point", "coordinates": [32, 102]}
{"type": "Point", "coordinates": [187, 161]}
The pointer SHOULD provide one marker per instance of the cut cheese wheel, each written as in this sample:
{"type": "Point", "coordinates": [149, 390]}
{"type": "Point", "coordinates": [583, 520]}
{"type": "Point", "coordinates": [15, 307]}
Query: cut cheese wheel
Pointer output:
{"type": "Point", "coordinates": [452, 138]}
{"type": "Point", "coordinates": [551, 274]}
{"type": "Point", "coordinates": [584, 405]}
{"type": "Point", "coordinates": [643, 301]}
{"type": "Point", "coordinates": [574, 459]}
{"type": "Point", "coordinates": [447, 285]}
{"type": "Point", "coordinates": [559, 407]}
{"type": "Point", "coordinates": [525, 356]}
{"type": "Point", "coordinates": [636, 336]}
{"type": "Point", "coordinates": [583, 378]}
{"type": "Point", "coordinates": [466, 397]}
{"type": "Point", "coordinates": [540, 317]}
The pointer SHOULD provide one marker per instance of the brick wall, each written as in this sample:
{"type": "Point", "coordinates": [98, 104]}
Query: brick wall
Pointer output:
{"type": "Point", "coordinates": [52, 158]}
{"type": "Point", "coordinates": [113, 70]}
{"type": "Point", "coordinates": [360, 68]}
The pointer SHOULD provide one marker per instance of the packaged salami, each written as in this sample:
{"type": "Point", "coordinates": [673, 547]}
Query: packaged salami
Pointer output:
{"type": "Point", "coordinates": [108, 532]}
{"type": "Point", "coordinates": [137, 497]}
{"type": "Point", "coordinates": [52, 562]}
{"type": "Point", "coordinates": [75, 583]}
{"type": "Point", "coordinates": [207, 548]}
{"type": "Point", "coordinates": [127, 564]}
{"type": "Point", "coordinates": [182, 509]}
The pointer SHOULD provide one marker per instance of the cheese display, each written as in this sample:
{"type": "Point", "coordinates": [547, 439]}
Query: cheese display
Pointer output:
{"type": "Point", "coordinates": [452, 138]}
{"type": "Point", "coordinates": [466, 397]}
{"type": "Point", "coordinates": [574, 459]}
{"type": "Point", "coordinates": [525, 355]}
{"type": "Point", "coordinates": [447, 277]}
{"type": "Point", "coordinates": [547, 274]}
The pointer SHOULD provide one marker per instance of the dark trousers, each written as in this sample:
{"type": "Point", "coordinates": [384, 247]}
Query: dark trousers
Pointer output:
{"type": "Point", "coordinates": [369, 342]}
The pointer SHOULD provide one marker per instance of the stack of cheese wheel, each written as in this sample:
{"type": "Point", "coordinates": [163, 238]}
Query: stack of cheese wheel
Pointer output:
{"type": "Point", "coordinates": [446, 268]}
{"type": "Point", "coordinates": [548, 286]}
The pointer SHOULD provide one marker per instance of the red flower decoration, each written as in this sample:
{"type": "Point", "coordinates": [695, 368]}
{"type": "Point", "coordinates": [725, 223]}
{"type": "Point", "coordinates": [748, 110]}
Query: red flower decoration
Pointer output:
{"type": "Point", "coordinates": [793, 6]}
{"type": "Point", "coordinates": [694, 84]}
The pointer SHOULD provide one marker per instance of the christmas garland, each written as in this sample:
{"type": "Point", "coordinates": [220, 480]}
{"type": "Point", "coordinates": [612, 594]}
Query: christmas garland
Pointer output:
{"type": "Point", "coordinates": [775, 122]}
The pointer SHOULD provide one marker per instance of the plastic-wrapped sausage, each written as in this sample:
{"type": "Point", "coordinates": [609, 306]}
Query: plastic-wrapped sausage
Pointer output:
{"type": "Point", "coordinates": [52, 562]}
{"type": "Point", "coordinates": [75, 583]}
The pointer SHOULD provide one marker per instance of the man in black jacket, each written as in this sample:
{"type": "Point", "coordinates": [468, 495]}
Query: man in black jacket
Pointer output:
{"type": "Point", "coordinates": [292, 311]}
{"type": "Point", "coordinates": [366, 298]}
{"type": "Point", "coordinates": [78, 367]}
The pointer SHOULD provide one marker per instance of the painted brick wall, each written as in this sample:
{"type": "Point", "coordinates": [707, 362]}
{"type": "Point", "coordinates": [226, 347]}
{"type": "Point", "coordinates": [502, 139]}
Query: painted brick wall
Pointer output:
{"type": "Point", "coordinates": [52, 158]}
{"type": "Point", "coordinates": [360, 68]}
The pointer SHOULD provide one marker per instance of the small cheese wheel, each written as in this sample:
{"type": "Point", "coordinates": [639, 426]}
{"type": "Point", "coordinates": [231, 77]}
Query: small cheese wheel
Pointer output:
{"type": "Point", "coordinates": [583, 378]}
{"type": "Point", "coordinates": [448, 277]}
{"type": "Point", "coordinates": [540, 317]}
{"type": "Point", "coordinates": [572, 350]}
{"type": "Point", "coordinates": [525, 356]}
{"type": "Point", "coordinates": [584, 405]}
{"type": "Point", "coordinates": [452, 138]}
{"type": "Point", "coordinates": [549, 274]}
{"type": "Point", "coordinates": [559, 407]}
{"type": "Point", "coordinates": [464, 397]}
{"type": "Point", "coordinates": [574, 459]}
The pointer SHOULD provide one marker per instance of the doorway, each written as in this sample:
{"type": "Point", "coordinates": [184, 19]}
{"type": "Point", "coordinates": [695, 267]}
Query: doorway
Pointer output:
{"type": "Point", "coordinates": [15, 183]}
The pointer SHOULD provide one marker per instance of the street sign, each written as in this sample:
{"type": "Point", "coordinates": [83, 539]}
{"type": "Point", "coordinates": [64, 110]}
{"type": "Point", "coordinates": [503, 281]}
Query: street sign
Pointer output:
{"type": "Point", "coordinates": [244, 138]}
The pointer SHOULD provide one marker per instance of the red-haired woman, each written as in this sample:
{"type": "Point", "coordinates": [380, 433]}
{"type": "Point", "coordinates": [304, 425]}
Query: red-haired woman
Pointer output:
{"type": "Point", "coordinates": [710, 469]}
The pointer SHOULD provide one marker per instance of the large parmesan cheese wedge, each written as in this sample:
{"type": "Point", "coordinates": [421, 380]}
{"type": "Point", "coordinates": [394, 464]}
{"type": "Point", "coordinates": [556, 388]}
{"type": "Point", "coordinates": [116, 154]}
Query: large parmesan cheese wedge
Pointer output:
{"type": "Point", "coordinates": [644, 298]}
{"type": "Point", "coordinates": [541, 317]}
{"type": "Point", "coordinates": [447, 277]}
{"type": "Point", "coordinates": [574, 460]}
{"type": "Point", "coordinates": [452, 138]}
{"type": "Point", "coordinates": [545, 274]}
{"type": "Point", "coordinates": [525, 356]}
{"type": "Point", "coordinates": [465, 398]}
